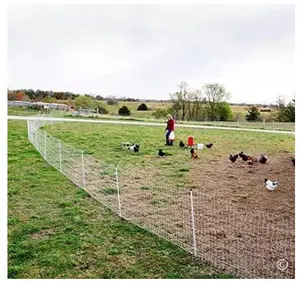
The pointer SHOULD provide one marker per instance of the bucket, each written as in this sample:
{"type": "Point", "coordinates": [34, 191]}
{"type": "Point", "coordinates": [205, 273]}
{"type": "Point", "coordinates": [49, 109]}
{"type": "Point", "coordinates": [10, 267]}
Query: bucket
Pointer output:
{"type": "Point", "coordinates": [190, 141]}
{"type": "Point", "coordinates": [200, 146]}
{"type": "Point", "coordinates": [172, 136]}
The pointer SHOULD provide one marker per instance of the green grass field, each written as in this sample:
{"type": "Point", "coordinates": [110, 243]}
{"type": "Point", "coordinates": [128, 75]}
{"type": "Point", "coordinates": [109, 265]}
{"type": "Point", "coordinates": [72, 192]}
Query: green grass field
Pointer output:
{"type": "Point", "coordinates": [56, 230]}
{"type": "Point", "coordinates": [103, 141]}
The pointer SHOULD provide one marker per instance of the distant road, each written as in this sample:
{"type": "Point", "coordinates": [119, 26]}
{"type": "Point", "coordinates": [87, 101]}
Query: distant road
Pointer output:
{"type": "Point", "coordinates": [146, 124]}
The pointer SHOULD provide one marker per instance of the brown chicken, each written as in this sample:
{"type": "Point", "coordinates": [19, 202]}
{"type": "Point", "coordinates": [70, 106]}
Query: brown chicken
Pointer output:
{"type": "Point", "coordinates": [193, 154]}
{"type": "Point", "coordinates": [251, 160]}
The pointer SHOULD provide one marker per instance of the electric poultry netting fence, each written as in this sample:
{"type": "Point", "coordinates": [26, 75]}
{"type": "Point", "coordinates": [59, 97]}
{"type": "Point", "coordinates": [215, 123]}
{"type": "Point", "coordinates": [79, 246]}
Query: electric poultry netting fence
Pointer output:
{"type": "Point", "coordinates": [234, 239]}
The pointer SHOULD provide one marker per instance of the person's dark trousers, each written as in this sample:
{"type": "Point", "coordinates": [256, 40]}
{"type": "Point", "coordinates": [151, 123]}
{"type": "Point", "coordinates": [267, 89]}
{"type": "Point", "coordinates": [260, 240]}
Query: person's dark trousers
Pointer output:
{"type": "Point", "coordinates": [168, 142]}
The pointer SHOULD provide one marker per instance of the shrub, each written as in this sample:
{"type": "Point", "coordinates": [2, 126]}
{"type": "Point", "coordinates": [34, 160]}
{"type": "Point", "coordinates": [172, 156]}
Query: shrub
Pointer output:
{"type": "Point", "coordinates": [224, 111]}
{"type": "Point", "coordinates": [287, 114]}
{"type": "Point", "coordinates": [253, 114]}
{"type": "Point", "coordinates": [124, 111]}
{"type": "Point", "coordinates": [160, 113]}
{"type": "Point", "coordinates": [142, 107]}
{"type": "Point", "coordinates": [112, 100]}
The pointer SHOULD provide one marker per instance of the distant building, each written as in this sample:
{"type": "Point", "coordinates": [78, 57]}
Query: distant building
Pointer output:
{"type": "Point", "coordinates": [53, 106]}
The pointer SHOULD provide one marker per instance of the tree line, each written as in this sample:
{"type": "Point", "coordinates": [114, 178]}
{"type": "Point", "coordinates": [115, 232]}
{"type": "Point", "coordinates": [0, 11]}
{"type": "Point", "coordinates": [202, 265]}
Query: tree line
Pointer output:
{"type": "Point", "coordinates": [208, 103]}
{"type": "Point", "coordinates": [41, 95]}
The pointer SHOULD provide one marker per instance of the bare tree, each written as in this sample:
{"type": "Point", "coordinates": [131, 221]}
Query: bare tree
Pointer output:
{"type": "Point", "coordinates": [179, 100]}
{"type": "Point", "coordinates": [194, 102]}
{"type": "Point", "coordinates": [176, 99]}
{"type": "Point", "coordinates": [280, 101]}
{"type": "Point", "coordinates": [183, 86]}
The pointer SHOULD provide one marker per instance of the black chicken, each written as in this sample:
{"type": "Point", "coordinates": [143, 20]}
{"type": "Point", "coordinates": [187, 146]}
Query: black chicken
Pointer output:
{"type": "Point", "coordinates": [209, 145]}
{"type": "Point", "coordinates": [243, 156]}
{"type": "Point", "coordinates": [181, 144]}
{"type": "Point", "coordinates": [233, 157]}
{"type": "Point", "coordinates": [262, 159]}
{"type": "Point", "coordinates": [293, 161]}
{"type": "Point", "coordinates": [161, 153]}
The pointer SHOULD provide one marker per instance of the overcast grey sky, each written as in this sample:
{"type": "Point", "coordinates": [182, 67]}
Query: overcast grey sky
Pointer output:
{"type": "Point", "coordinates": [144, 51]}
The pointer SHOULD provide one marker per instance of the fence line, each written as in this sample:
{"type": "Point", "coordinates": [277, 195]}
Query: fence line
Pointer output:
{"type": "Point", "coordinates": [190, 125]}
{"type": "Point", "coordinates": [245, 243]}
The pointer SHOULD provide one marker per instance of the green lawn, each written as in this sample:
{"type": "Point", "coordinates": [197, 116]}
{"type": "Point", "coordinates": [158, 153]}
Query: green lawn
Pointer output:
{"type": "Point", "coordinates": [103, 142]}
{"type": "Point", "coordinates": [56, 230]}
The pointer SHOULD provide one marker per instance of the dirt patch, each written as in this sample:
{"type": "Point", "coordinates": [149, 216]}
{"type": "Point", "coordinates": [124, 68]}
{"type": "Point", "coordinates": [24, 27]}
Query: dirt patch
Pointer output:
{"type": "Point", "coordinates": [41, 234]}
{"type": "Point", "coordinates": [242, 183]}
{"type": "Point", "coordinates": [241, 226]}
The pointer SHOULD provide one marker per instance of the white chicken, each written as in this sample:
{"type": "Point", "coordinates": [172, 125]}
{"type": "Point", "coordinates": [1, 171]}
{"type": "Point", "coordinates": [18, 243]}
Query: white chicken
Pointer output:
{"type": "Point", "coordinates": [271, 185]}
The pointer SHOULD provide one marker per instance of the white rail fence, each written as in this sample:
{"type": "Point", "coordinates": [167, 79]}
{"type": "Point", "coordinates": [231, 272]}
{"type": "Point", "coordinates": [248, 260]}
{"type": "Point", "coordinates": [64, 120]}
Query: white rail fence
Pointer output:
{"type": "Point", "coordinates": [237, 241]}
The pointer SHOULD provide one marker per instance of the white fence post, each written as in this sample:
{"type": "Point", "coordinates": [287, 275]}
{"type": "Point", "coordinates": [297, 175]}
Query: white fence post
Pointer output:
{"type": "Point", "coordinates": [193, 223]}
{"type": "Point", "coordinates": [45, 145]}
{"type": "Point", "coordinates": [59, 152]}
{"type": "Point", "coordinates": [118, 190]}
{"type": "Point", "coordinates": [264, 123]}
{"type": "Point", "coordinates": [83, 173]}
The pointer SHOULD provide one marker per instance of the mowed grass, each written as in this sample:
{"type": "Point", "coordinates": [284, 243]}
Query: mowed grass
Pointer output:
{"type": "Point", "coordinates": [56, 230]}
{"type": "Point", "coordinates": [103, 141]}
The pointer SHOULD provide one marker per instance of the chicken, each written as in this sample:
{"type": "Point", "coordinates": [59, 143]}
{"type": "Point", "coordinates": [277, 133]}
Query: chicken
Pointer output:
{"type": "Point", "coordinates": [271, 185]}
{"type": "Point", "coordinates": [262, 159]}
{"type": "Point", "coordinates": [293, 161]}
{"type": "Point", "coordinates": [252, 160]}
{"type": "Point", "coordinates": [135, 148]}
{"type": "Point", "coordinates": [181, 144]}
{"type": "Point", "coordinates": [209, 145]}
{"type": "Point", "coordinates": [233, 157]}
{"type": "Point", "coordinates": [193, 154]}
{"type": "Point", "coordinates": [161, 153]}
{"type": "Point", "coordinates": [243, 156]}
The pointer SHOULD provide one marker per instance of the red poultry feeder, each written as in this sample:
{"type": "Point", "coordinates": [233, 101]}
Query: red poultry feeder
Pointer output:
{"type": "Point", "coordinates": [190, 141]}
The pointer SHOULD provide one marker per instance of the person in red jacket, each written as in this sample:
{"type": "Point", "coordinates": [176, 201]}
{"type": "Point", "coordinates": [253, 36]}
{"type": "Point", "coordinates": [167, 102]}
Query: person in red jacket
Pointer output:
{"type": "Point", "coordinates": [170, 127]}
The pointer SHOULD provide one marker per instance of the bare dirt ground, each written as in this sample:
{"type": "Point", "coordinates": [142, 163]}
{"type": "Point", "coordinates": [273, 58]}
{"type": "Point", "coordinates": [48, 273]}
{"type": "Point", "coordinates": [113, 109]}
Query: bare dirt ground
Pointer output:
{"type": "Point", "coordinates": [242, 183]}
{"type": "Point", "coordinates": [241, 226]}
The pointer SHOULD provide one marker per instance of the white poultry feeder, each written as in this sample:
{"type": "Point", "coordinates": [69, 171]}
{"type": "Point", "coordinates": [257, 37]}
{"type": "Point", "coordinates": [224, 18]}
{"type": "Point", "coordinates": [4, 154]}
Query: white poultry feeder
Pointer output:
{"type": "Point", "coordinates": [200, 146]}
